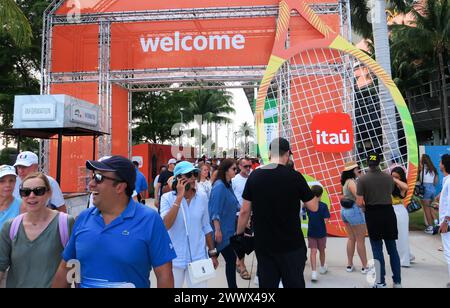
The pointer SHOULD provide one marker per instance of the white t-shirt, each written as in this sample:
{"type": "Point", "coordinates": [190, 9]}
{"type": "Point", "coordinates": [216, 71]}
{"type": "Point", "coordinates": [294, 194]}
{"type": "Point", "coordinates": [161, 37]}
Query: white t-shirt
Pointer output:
{"type": "Point", "coordinates": [57, 198]}
{"type": "Point", "coordinates": [238, 184]}
{"type": "Point", "coordinates": [428, 177]}
{"type": "Point", "coordinates": [444, 201]}
{"type": "Point", "coordinates": [205, 186]}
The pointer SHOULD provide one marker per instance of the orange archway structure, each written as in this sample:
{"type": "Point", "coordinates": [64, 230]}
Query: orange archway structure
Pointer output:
{"type": "Point", "coordinates": [102, 51]}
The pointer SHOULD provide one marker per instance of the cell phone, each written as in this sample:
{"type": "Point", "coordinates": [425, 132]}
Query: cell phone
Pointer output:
{"type": "Point", "coordinates": [175, 183]}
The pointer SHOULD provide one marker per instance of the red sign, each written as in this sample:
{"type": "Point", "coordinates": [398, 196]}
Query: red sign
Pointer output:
{"type": "Point", "coordinates": [333, 132]}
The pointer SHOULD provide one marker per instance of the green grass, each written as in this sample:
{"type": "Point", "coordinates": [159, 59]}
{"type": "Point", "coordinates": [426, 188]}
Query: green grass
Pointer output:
{"type": "Point", "coordinates": [416, 221]}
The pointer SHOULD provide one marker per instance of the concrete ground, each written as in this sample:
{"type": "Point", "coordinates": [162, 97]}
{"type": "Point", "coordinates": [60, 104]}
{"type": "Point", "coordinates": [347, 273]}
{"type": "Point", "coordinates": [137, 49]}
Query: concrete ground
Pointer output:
{"type": "Point", "coordinates": [428, 271]}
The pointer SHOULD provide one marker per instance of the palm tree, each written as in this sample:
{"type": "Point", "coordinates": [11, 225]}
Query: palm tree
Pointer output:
{"type": "Point", "coordinates": [246, 131]}
{"type": "Point", "coordinates": [213, 106]}
{"type": "Point", "coordinates": [429, 35]}
{"type": "Point", "coordinates": [15, 23]}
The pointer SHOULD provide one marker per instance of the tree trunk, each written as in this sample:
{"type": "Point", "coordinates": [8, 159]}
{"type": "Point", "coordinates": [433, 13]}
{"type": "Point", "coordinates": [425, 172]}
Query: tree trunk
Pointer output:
{"type": "Point", "coordinates": [444, 97]}
{"type": "Point", "coordinates": [383, 57]}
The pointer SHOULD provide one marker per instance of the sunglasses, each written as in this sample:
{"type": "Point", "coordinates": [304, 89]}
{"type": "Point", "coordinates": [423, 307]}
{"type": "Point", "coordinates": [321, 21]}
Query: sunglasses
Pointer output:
{"type": "Point", "coordinates": [37, 191]}
{"type": "Point", "coordinates": [100, 178]}
{"type": "Point", "coordinates": [189, 174]}
{"type": "Point", "coordinates": [248, 166]}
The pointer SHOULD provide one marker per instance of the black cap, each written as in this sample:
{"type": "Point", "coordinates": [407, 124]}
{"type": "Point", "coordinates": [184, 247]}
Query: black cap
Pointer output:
{"type": "Point", "coordinates": [373, 159]}
{"type": "Point", "coordinates": [122, 166]}
{"type": "Point", "coordinates": [280, 145]}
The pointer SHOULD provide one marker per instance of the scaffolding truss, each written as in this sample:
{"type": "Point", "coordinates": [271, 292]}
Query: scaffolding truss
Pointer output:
{"type": "Point", "coordinates": [162, 78]}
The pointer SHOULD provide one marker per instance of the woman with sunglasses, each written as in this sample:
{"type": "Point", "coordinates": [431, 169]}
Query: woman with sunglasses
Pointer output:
{"type": "Point", "coordinates": [223, 207]}
{"type": "Point", "coordinates": [353, 217]}
{"type": "Point", "coordinates": [185, 214]}
{"type": "Point", "coordinates": [33, 251]}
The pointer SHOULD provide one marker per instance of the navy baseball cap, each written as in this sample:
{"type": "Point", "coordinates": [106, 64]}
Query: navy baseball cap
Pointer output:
{"type": "Point", "coordinates": [122, 166]}
{"type": "Point", "coordinates": [373, 159]}
{"type": "Point", "coordinates": [280, 145]}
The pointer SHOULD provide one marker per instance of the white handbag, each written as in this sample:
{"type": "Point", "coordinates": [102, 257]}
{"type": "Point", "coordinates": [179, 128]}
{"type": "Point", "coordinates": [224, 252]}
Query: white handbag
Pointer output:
{"type": "Point", "coordinates": [200, 270]}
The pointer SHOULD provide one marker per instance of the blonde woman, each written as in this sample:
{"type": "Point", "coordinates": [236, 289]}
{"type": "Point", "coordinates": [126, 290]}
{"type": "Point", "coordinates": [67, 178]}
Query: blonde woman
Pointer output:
{"type": "Point", "coordinates": [31, 245]}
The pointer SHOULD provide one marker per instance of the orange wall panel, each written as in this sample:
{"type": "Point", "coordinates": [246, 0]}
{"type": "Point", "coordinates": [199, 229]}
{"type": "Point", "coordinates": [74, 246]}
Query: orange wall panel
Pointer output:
{"type": "Point", "coordinates": [75, 150]}
{"type": "Point", "coordinates": [119, 132]}
{"type": "Point", "coordinates": [75, 48]}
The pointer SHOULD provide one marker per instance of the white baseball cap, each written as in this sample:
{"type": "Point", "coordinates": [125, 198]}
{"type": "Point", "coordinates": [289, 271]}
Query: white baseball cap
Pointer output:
{"type": "Point", "coordinates": [26, 159]}
{"type": "Point", "coordinates": [172, 161]}
{"type": "Point", "coordinates": [7, 170]}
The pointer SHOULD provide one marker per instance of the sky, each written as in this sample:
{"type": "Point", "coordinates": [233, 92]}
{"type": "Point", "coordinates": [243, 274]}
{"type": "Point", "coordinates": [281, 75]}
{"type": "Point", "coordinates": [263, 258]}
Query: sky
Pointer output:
{"type": "Point", "coordinates": [243, 114]}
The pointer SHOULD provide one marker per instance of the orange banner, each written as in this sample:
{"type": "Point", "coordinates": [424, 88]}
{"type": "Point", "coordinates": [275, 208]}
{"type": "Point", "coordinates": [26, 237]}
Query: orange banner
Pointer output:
{"type": "Point", "coordinates": [203, 43]}
{"type": "Point", "coordinates": [103, 6]}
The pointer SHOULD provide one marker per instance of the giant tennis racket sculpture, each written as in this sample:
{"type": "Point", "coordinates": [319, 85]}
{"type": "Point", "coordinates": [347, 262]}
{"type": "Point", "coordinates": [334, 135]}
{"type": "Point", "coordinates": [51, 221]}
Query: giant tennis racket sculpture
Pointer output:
{"type": "Point", "coordinates": [325, 83]}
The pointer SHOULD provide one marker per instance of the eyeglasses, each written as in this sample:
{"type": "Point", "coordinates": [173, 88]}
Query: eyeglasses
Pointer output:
{"type": "Point", "coordinates": [248, 166]}
{"type": "Point", "coordinates": [37, 191]}
{"type": "Point", "coordinates": [234, 168]}
{"type": "Point", "coordinates": [100, 178]}
{"type": "Point", "coordinates": [190, 174]}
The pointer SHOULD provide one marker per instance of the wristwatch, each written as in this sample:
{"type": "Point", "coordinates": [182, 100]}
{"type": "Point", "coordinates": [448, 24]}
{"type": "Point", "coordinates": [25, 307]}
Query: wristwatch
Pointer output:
{"type": "Point", "coordinates": [212, 252]}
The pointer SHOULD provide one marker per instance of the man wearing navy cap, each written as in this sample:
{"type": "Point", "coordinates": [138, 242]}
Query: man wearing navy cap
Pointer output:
{"type": "Point", "coordinates": [119, 241]}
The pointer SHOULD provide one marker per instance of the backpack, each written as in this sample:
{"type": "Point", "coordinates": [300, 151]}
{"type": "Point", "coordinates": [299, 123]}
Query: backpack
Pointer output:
{"type": "Point", "coordinates": [63, 224]}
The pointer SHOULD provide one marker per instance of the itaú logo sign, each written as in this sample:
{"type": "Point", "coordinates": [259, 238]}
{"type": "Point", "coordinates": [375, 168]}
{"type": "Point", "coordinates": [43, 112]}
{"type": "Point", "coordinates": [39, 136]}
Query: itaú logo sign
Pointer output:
{"type": "Point", "coordinates": [333, 132]}
{"type": "Point", "coordinates": [188, 43]}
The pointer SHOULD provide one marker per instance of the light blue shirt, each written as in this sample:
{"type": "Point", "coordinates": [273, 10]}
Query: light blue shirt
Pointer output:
{"type": "Point", "coordinates": [197, 218]}
{"type": "Point", "coordinates": [223, 206]}
{"type": "Point", "coordinates": [11, 212]}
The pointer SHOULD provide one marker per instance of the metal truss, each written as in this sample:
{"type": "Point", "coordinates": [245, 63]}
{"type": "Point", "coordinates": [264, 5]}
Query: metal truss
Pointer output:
{"type": "Point", "coordinates": [190, 14]}
{"type": "Point", "coordinates": [165, 78]}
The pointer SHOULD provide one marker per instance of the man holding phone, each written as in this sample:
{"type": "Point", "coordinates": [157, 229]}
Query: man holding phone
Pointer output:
{"type": "Point", "coordinates": [444, 209]}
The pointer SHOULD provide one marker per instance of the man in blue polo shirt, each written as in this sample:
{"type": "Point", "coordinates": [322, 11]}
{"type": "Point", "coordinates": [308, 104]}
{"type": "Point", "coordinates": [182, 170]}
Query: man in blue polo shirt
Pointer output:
{"type": "Point", "coordinates": [118, 242]}
{"type": "Point", "coordinates": [141, 185]}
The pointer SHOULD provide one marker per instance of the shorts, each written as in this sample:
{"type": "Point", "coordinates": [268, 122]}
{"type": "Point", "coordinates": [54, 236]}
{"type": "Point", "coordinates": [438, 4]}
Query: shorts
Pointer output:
{"type": "Point", "coordinates": [430, 192]}
{"type": "Point", "coordinates": [353, 216]}
{"type": "Point", "coordinates": [317, 243]}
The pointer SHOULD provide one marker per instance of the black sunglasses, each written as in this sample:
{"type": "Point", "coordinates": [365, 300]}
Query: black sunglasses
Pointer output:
{"type": "Point", "coordinates": [247, 166]}
{"type": "Point", "coordinates": [100, 178]}
{"type": "Point", "coordinates": [37, 191]}
{"type": "Point", "coordinates": [189, 174]}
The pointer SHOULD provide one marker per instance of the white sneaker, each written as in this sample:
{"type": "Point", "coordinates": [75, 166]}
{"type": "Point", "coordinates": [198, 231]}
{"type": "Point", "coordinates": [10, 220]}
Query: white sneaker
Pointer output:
{"type": "Point", "coordinates": [398, 286]}
{"type": "Point", "coordinates": [429, 230]}
{"type": "Point", "coordinates": [314, 276]}
{"type": "Point", "coordinates": [365, 271]}
{"type": "Point", "coordinates": [349, 269]}
{"type": "Point", "coordinates": [380, 286]}
{"type": "Point", "coordinates": [323, 269]}
{"type": "Point", "coordinates": [256, 281]}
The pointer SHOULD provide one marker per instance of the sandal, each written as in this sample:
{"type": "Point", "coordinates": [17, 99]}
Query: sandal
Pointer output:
{"type": "Point", "coordinates": [245, 275]}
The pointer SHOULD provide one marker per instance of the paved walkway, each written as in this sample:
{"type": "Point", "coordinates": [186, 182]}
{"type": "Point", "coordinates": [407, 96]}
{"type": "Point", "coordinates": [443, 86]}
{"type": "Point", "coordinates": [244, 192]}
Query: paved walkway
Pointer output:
{"type": "Point", "coordinates": [428, 271]}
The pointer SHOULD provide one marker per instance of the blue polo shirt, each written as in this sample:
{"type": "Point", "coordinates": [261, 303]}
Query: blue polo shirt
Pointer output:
{"type": "Point", "coordinates": [122, 253]}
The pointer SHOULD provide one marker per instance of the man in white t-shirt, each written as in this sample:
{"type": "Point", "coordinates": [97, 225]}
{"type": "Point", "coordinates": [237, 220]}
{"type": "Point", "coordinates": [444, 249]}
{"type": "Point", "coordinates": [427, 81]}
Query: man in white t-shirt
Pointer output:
{"type": "Point", "coordinates": [238, 185]}
{"type": "Point", "coordinates": [444, 209]}
{"type": "Point", "coordinates": [26, 164]}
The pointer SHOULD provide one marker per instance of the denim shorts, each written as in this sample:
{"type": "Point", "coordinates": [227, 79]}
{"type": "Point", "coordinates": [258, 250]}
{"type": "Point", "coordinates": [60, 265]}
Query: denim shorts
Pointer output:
{"type": "Point", "coordinates": [430, 192]}
{"type": "Point", "coordinates": [353, 216]}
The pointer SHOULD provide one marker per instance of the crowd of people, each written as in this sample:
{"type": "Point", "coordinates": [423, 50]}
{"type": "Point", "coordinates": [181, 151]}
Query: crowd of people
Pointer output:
{"type": "Point", "coordinates": [205, 210]}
